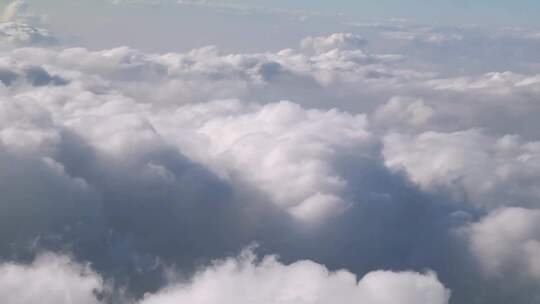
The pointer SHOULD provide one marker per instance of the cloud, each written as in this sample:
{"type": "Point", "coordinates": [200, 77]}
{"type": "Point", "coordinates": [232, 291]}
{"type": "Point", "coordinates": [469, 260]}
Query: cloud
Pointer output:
{"type": "Point", "coordinates": [341, 41]}
{"type": "Point", "coordinates": [16, 26]}
{"type": "Point", "coordinates": [282, 148]}
{"type": "Point", "coordinates": [50, 279]}
{"type": "Point", "coordinates": [405, 111]}
{"type": "Point", "coordinates": [244, 280]}
{"type": "Point", "coordinates": [336, 151]}
{"type": "Point", "coordinates": [135, 182]}
{"type": "Point", "coordinates": [506, 242]}
{"type": "Point", "coordinates": [207, 74]}
{"type": "Point", "coordinates": [478, 168]}
{"type": "Point", "coordinates": [288, 155]}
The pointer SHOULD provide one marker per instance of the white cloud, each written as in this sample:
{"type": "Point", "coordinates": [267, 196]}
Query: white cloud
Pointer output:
{"type": "Point", "coordinates": [506, 242]}
{"type": "Point", "coordinates": [162, 152]}
{"type": "Point", "coordinates": [400, 110]}
{"type": "Point", "coordinates": [342, 41]}
{"type": "Point", "coordinates": [50, 279]}
{"type": "Point", "coordinates": [53, 278]}
{"type": "Point", "coordinates": [281, 148]}
{"type": "Point", "coordinates": [487, 171]}
{"type": "Point", "coordinates": [206, 74]}
{"type": "Point", "coordinates": [244, 280]}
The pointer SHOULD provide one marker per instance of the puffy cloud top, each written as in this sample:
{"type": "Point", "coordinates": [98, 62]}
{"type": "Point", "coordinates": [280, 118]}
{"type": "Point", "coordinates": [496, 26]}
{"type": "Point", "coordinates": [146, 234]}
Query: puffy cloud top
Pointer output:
{"type": "Point", "coordinates": [506, 242]}
{"type": "Point", "coordinates": [244, 280]}
{"type": "Point", "coordinates": [50, 279]}
{"type": "Point", "coordinates": [286, 150]}
{"type": "Point", "coordinates": [486, 170]}
{"type": "Point", "coordinates": [344, 41]}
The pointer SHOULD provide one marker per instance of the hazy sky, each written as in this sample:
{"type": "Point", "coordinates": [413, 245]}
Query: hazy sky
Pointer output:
{"type": "Point", "coordinates": [257, 25]}
{"type": "Point", "coordinates": [495, 12]}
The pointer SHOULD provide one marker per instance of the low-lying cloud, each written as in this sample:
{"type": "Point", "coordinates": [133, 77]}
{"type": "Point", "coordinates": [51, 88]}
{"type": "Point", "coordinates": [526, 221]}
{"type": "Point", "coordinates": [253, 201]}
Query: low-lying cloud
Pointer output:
{"type": "Point", "coordinates": [130, 177]}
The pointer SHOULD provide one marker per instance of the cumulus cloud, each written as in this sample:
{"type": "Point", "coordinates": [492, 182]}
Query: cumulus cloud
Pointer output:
{"type": "Point", "coordinates": [260, 76]}
{"type": "Point", "coordinates": [245, 280]}
{"type": "Point", "coordinates": [133, 180]}
{"type": "Point", "coordinates": [405, 111]}
{"type": "Point", "coordinates": [286, 150]}
{"type": "Point", "coordinates": [506, 242]}
{"type": "Point", "coordinates": [152, 164]}
{"type": "Point", "coordinates": [55, 278]}
{"type": "Point", "coordinates": [335, 41]}
{"type": "Point", "coordinates": [351, 78]}
{"type": "Point", "coordinates": [50, 279]}
{"type": "Point", "coordinates": [478, 168]}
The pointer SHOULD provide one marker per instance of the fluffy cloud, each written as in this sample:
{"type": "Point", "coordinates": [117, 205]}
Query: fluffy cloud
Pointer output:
{"type": "Point", "coordinates": [347, 77]}
{"type": "Point", "coordinates": [50, 279]}
{"type": "Point", "coordinates": [342, 41]}
{"type": "Point", "coordinates": [403, 111]}
{"type": "Point", "coordinates": [478, 168]}
{"type": "Point", "coordinates": [336, 151]}
{"type": "Point", "coordinates": [206, 74]}
{"type": "Point", "coordinates": [244, 280]}
{"type": "Point", "coordinates": [506, 242]}
{"type": "Point", "coordinates": [135, 179]}
{"type": "Point", "coordinates": [286, 150]}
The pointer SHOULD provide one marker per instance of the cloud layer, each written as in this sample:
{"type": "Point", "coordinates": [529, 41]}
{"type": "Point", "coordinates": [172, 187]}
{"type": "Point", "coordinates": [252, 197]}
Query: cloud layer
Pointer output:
{"type": "Point", "coordinates": [139, 173]}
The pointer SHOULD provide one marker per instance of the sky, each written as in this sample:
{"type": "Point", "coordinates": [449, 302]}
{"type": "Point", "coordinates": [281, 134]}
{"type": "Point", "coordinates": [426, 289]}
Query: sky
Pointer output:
{"type": "Point", "coordinates": [134, 22]}
{"type": "Point", "coordinates": [495, 12]}
{"type": "Point", "coordinates": [269, 152]}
